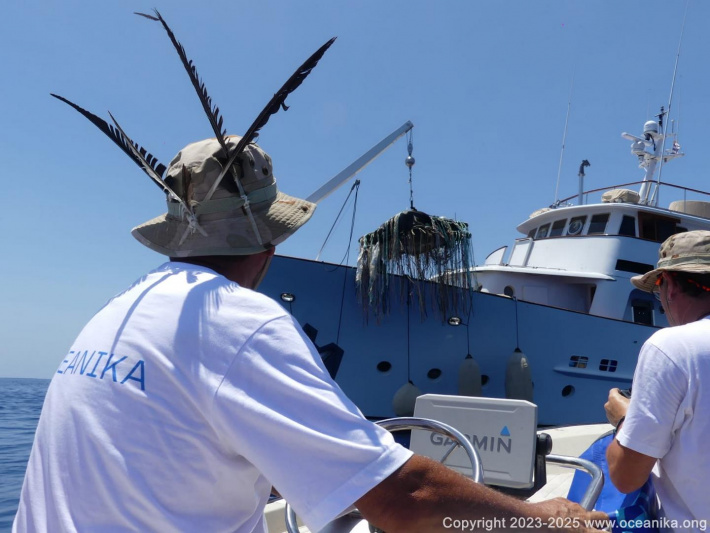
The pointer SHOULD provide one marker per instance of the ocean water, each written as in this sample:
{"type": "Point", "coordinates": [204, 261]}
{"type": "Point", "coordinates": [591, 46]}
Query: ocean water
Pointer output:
{"type": "Point", "coordinates": [20, 405]}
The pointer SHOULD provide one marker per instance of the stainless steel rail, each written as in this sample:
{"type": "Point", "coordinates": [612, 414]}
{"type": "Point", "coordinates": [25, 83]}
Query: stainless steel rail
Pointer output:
{"type": "Point", "coordinates": [409, 423]}
{"type": "Point", "coordinates": [595, 486]}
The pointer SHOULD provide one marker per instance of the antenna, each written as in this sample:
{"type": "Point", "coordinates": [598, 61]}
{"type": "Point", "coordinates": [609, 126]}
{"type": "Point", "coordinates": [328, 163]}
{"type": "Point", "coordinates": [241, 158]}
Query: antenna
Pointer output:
{"type": "Point", "coordinates": [564, 138]}
{"type": "Point", "coordinates": [654, 199]}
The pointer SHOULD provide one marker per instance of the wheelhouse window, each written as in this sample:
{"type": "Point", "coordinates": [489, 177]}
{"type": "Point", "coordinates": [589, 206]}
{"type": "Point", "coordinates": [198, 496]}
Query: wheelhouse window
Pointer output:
{"type": "Point", "coordinates": [628, 226]}
{"type": "Point", "coordinates": [543, 231]}
{"type": "Point", "coordinates": [657, 227]}
{"type": "Point", "coordinates": [557, 227]}
{"type": "Point", "coordinates": [642, 312]}
{"type": "Point", "coordinates": [576, 225]}
{"type": "Point", "coordinates": [598, 224]}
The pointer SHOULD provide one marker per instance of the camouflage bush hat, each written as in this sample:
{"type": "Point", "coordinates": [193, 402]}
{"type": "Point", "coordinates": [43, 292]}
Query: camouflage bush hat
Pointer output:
{"type": "Point", "coordinates": [230, 224]}
{"type": "Point", "coordinates": [682, 252]}
{"type": "Point", "coordinates": [221, 192]}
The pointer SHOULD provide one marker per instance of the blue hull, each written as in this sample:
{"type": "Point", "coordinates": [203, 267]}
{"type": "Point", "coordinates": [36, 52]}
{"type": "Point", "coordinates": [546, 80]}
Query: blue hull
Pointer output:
{"type": "Point", "coordinates": [371, 360]}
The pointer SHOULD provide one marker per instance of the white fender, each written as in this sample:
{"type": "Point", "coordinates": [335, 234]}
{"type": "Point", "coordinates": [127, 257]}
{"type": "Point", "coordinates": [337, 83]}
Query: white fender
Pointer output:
{"type": "Point", "coordinates": [405, 398]}
{"type": "Point", "coordinates": [518, 378]}
{"type": "Point", "coordinates": [470, 378]}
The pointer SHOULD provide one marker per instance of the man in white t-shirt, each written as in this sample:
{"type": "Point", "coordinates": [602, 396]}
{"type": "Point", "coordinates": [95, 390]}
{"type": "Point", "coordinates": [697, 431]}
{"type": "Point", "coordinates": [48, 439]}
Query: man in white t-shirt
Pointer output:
{"type": "Point", "coordinates": [664, 428]}
{"type": "Point", "coordinates": [189, 395]}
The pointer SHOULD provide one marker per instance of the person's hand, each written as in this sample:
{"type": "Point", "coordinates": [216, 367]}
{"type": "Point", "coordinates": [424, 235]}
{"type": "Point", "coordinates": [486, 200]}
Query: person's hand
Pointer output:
{"type": "Point", "coordinates": [616, 407]}
{"type": "Point", "coordinates": [562, 515]}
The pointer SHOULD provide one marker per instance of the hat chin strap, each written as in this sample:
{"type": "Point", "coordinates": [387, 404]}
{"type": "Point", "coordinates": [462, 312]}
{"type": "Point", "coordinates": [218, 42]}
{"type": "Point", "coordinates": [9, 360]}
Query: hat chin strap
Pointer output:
{"type": "Point", "coordinates": [230, 203]}
{"type": "Point", "coordinates": [223, 204]}
{"type": "Point", "coordinates": [242, 195]}
{"type": "Point", "coordinates": [192, 226]}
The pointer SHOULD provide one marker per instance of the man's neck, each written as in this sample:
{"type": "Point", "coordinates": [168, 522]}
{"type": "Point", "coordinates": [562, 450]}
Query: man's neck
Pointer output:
{"type": "Point", "coordinates": [246, 270]}
{"type": "Point", "coordinates": [694, 309]}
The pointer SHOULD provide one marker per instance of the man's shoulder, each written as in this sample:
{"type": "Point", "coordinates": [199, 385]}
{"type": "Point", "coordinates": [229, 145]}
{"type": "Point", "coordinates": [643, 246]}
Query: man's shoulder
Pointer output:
{"type": "Point", "coordinates": [203, 287]}
{"type": "Point", "coordinates": [257, 299]}
{"type": "Point", "coordinates": [680, 345]}
{"type": "Point", "coordinates": [698, 328]}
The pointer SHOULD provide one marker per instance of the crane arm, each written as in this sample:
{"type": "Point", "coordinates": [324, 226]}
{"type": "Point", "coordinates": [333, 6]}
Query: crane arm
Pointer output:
{"type": "Point", "coordinates": [356, 166]}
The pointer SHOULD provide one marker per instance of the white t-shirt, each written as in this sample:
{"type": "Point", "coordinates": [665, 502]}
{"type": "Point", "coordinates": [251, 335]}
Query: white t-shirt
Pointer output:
{"type": "Point", "coordinates": [180, 404]}
{"type": "Point", "coordinates": [669, 417]}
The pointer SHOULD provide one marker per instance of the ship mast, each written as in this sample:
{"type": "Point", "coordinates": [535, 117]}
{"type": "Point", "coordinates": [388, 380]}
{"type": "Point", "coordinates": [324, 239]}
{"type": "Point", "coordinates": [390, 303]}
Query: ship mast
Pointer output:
{"type": "Point", "coordinates": [654, 197]}
{"type": "Point", "coordinates": [654, 136]}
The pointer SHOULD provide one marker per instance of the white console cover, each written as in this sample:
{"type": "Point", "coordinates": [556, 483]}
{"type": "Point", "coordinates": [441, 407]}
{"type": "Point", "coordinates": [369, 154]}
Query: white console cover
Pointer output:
{"type": "Point", "coordinates": [502, 431]}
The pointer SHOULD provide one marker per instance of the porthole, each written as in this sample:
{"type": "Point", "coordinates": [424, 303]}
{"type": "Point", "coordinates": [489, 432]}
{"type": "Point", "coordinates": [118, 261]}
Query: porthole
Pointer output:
{"type": "Point", "coordinates": [509, 291]}
{"type": "Point", "coordinates": [484, 380]}
{"type": "Point", "coordinates": [578, 361]}
{"type": "Point", "coordinates": [384, 366]}
{"type": "Point", "coordinates": [434, 373]}
{"type": "Point", "coordinates": [608, 365]}
{"type": "Point", "coordinates": [567, 391]}
{"type": "Point", "coordinates": [576, 225]}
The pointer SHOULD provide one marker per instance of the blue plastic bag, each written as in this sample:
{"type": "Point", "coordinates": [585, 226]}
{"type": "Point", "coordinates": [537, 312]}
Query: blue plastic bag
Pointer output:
{"type": "Point", "coordinates": [638, 514]}
{"type": "Point", "coordinates": [631, 513]}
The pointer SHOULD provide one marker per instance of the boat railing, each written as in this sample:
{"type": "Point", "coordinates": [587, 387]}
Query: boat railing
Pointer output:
{"type": "Point", "coordinates": [688, 194]}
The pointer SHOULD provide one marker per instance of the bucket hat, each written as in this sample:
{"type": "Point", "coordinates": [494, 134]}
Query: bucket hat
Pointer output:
{"type": "Point", "coordinates": [682, 252]}
{"type": "Point", "coordinates": [229, 228]}
{"type": "Point", "coordinates": [221, 192]}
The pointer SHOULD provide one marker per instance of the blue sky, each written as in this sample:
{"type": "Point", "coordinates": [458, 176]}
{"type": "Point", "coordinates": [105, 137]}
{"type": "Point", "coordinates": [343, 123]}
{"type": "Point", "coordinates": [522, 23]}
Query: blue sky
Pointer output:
{"type": "Point", "coordinates": [486, 84]}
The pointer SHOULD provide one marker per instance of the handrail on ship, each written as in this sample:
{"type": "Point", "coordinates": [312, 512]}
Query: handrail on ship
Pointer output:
{"type": "Point", "coordinates": [662, 183]}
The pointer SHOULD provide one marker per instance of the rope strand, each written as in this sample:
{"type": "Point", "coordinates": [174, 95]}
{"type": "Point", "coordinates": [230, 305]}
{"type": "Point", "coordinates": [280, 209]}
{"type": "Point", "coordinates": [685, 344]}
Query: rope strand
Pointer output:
{"type": "Point", "coordinates": [356, 186]}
